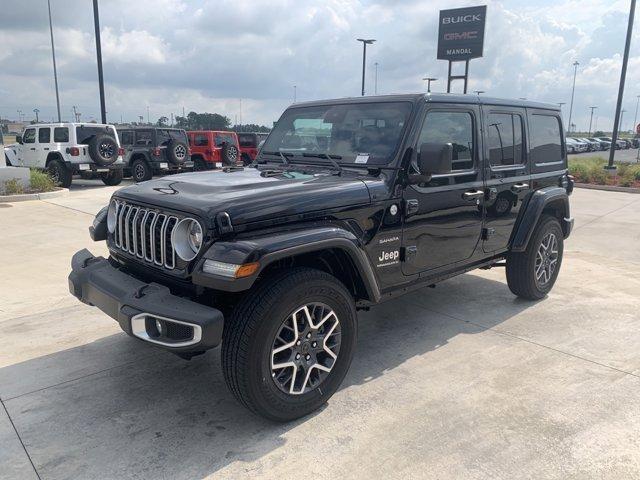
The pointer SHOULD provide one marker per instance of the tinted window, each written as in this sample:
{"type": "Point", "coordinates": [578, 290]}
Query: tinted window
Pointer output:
{"type": "Point", "coordinates": [61, 134]}
{"type": "Point", "coordinates": [179, 135]}
{"type": "Point", "coordinates": [85, 133]}
{"type": "Point", "coordinates": [200, 140]}
{"type": "Point", "coordinates": [546, 139]}
{"type": "Point", "coordinates": [126, 137]}
{"type": "Point", "coordinates": [451, 127]}
{"type": "Point", "coordinates": [505, 139]}
{"type": "Point", "coordinates": [29, 136]}
{"type": "Point", "coordinates": [220, 139]}
{"type": "Point", "coordinates": [44, 135]}
{"type": "Point", "coordinates": [144, 137]}
{"type": "Point", "coordinates": [368, 132]}
{"type": "Point", "coordinates": [247, 139]}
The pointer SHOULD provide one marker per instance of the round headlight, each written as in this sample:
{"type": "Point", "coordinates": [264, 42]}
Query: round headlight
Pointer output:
{"type": "Point", "coordinates": [111, 216]}
{"type": "Point", "coordinates": [187, 239]}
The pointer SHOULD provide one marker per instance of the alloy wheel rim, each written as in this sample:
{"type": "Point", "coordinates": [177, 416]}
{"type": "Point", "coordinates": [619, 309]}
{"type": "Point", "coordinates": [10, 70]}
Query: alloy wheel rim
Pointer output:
{"type": "Point", "coordinates": [139, 172]}
{"type": "Point", "coordinates": [546, 259]}
{"type": "Point", "coordinates": [106, 150]}
{"type": "Point", "coordinates": [233, 154]}
{"type": "Point", "coordinates": [180, 152]}
{"type": "Point", "coordinates": [305, 348]}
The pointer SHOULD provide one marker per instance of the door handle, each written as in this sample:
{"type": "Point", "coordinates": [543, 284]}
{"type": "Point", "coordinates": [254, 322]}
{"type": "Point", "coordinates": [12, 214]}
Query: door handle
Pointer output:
{"type": "Point", "coordinates": [46, 148]}
{"type": "Point", "coordinates": [32, 148]}
{"type": "Point", "coordinates": [518, 187]}
{"type": "Point", "coordinates": [473, 195]}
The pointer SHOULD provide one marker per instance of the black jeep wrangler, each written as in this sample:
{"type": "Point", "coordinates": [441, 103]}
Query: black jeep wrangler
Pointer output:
{"type": "Point", "coordinates": [350, 203]}
{"type": "Point", "coordinates": [154, 150]}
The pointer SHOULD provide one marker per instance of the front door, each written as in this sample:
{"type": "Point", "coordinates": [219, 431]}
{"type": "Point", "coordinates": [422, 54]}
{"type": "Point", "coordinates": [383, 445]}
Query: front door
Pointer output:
{"type": "Point", "coordinates": [443, 217]}
{"type": "Point", "coordinates": [506, 173]}
{"type": "Point", "coordinates": [28, 150]}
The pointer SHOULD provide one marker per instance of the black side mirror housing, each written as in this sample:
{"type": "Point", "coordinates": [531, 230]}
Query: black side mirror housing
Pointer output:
{"type": "Point", "coordinates": [435, 158]}
{"type": "Point", "coordinates": [19, 139]}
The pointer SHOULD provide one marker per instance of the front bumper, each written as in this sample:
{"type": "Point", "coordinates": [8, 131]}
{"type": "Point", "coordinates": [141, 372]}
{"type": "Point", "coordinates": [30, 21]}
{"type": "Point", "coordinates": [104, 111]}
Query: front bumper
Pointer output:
{"type": "Point", "coordinates": [139, 307]}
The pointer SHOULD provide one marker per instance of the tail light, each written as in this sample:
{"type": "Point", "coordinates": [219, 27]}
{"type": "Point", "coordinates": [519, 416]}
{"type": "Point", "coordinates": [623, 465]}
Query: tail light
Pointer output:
{"type": "Point", "coordinates": [121, 152]}
{"type": "Point", "coordinates": [189, 150]}
{"type": "Point", "coordinates": [156, 152]}
{"type": "Point", "coordinates": [74, 151]}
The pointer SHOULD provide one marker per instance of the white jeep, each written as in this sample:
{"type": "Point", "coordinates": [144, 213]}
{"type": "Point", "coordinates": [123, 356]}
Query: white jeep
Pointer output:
{"type": "Point", "coordinates": [66, 149]}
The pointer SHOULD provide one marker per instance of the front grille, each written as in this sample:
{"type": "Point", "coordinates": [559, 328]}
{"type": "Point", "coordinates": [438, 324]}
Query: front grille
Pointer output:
{"type": "Point", "coordinates": [145, 233]}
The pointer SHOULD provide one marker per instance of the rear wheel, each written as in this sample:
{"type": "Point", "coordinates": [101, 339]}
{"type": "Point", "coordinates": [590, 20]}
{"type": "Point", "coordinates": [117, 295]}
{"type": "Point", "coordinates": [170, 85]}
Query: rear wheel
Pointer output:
{"type": "Point", "coordinates": [112, 177]}
{"type": "Point", "coordinates": [289, 344]}
{"type": "Point", "coordinates": [531, 274]}
{"type": "Point", "coordinates": [60, 174]}
{"type": "Point", "coordinates": [141, 171]}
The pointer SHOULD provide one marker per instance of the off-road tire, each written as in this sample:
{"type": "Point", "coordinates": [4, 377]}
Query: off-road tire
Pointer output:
{"type": "Point", "coordinates": [229, 154]}
{"type": "Point", "coordinates": [250, 331]}
{"type": "Point", "coordinates": [112, 177]}
{"type": "Point", "coordinates": [246, 159]}
{"type": "Point", "coordinates": [521, 266]}
{"type": "Point", "coordinates": [141, 171]}
{"type": "Point", "coordinates": [103, 149]}
{"type": "Point", "coordinates": [177, 152]}
{"type": "Point", "coordinates": [60, 174]}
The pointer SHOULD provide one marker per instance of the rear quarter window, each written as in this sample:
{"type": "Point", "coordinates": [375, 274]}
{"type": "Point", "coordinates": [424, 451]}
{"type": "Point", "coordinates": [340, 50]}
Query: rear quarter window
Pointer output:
{"type": "Point", "coordinates": [61, 134]}
{"type": "Point", "coordinates": [546, 141]}
{"type": "Point", "coordinates": [85, 133]}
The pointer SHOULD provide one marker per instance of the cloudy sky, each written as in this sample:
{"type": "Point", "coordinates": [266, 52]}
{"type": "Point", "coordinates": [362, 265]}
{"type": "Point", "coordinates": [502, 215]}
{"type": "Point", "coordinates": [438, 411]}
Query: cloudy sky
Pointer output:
{"type": "Point", "coordinates": [217, 55]}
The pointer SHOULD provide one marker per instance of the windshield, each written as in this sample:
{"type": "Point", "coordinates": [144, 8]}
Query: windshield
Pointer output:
{"type": "Point", "coordinates": [362, 133]}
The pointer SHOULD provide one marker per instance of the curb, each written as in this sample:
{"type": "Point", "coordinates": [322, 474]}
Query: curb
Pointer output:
{"type": "Point", "coordinates": [61, 192]}
{"type": "Point", "coordinates": [607, 188]}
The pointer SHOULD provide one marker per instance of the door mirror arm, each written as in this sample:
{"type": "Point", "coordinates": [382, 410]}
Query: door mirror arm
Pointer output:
{"type": "Point", "coordinates": [19, 139]}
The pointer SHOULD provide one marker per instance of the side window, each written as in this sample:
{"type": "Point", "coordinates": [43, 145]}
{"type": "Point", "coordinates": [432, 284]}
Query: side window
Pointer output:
{"type": "Point", "coordinates": [144, 137]}
{"type": "Point", "coordinates": [126, 137]}
{"type": "Point", "coordinates": [451, 127]}
{"type": "Point", "coordinates": [505, 139]}
{"type": "Point", "coordinates": [200, 140]}
{"type": "Point", "coordinates": [61, 135]}
{"type": "Point", "coordinates": [29, 136]}
{"type": "Point", "coordinates": [546, 139]}
{"type": "Point", "coordinates": [44, 135]}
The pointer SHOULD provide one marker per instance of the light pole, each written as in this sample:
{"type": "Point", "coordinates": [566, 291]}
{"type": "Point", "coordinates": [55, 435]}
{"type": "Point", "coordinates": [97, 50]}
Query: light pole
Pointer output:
{"type": "Point", "coordinates": [36, 111]}
{"type": "Point", "coordinates": [591, 120]}
{"type": "Point", "coordinates": [429, 80]}
{"type": "Point", "coordinates": [365, 42]}
{"type": "Point", "coordinates": [635, 118]}
{"type": "Point", "coordinates": [96, 24]}
{"type": "Point", "coordinates": [53, 56]}
{"type": "Point", "coordinates": [19, 115]}
{"type": "Point", "coordinates": [573, 90]}
{"type": "Point", "coordinates": [375, 83]}
{"type": "Point", "coordinates": [148, 115]}
{"type": "Point", "coordinates": [295, 93]}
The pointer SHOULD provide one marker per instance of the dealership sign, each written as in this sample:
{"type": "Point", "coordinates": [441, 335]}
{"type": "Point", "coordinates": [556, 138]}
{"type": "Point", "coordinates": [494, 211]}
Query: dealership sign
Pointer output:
{"type": "Point", "coordinates": [461, 33]}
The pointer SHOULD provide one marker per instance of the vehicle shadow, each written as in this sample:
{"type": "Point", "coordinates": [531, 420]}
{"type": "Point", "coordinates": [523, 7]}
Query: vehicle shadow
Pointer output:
{"type": "Point", "coordinates": [161, 417]}
{"type": "Point", "coordinates": [80, 184]}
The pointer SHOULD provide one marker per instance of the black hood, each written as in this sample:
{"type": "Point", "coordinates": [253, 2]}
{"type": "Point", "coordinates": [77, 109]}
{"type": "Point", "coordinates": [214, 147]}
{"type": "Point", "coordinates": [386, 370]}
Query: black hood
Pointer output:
{"type": "Point", "coordinates": [250, 195]}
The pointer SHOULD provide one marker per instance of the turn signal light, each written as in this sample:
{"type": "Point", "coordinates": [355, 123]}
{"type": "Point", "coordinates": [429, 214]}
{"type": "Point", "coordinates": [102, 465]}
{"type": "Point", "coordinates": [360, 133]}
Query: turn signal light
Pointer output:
{"type": "Point", "coordinates": [247, 269]}
{"type": "Point", "coordinates": [121, 151]}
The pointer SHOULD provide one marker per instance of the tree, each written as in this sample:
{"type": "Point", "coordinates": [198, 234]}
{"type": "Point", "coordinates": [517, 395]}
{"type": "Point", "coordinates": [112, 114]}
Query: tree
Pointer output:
{"type": "Point", "coordinates": [162, 121]}
{"type": "Point", "coordinates": [251, 127]}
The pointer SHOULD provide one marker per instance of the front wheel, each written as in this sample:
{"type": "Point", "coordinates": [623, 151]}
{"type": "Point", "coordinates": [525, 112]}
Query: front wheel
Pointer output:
{"type": "Point", "coordinates": [531, 274]}
{"type": "Point", "coordinates": [141, 171]}
{"type": "Point", "coordinates": [289, 343]}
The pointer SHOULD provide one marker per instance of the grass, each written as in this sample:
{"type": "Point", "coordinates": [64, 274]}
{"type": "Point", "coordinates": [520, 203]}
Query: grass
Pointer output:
{"type": "Point", "coordinates": [13, 187]}
{"type": "Point", "coordinates": [591, 170]}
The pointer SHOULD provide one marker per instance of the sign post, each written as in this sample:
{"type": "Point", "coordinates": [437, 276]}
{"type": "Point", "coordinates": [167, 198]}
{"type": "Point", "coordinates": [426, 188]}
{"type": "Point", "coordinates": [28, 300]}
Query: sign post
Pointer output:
{"type": "Point", "coordinates": [461, 38]}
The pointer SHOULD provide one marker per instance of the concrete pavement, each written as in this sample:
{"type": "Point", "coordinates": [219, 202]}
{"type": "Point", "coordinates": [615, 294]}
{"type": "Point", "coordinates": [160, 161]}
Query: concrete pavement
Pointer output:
{"type": "Point", "coordinates": [460, 381]}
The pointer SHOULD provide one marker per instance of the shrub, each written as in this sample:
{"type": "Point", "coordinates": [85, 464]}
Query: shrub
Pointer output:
{"type": "Point", "coordinates": [13, 187]}
{"type": "Point", "coordinates": [41, 182]}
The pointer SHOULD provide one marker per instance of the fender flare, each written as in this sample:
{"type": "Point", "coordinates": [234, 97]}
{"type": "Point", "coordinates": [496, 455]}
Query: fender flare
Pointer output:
{"type": "Point", "coordinates": [135, 155]}
{"type": "Point", "coordinates": [529, 217]}
{"type": "Point", "coordinates": [281, 245]}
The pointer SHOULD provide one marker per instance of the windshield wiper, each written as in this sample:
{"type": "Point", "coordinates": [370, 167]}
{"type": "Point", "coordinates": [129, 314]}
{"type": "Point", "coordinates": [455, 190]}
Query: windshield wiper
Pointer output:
{"type": "Point", "coordinates": [325, 156]}
{"type": "Point", "coordinates": [281, 154]}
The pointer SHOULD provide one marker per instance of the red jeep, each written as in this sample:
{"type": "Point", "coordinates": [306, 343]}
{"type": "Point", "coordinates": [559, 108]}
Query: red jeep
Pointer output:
{"type": "Point", "coordinates": [249, 145]}
{"type": "Point", "coordinates": [214, 149]}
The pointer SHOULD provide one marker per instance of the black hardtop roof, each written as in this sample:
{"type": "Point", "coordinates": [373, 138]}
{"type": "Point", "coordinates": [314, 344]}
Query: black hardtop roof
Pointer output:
{"type": "Point", "coordinates": [435, 98]}
{"type": "Point", "coordinates": [147, 127]}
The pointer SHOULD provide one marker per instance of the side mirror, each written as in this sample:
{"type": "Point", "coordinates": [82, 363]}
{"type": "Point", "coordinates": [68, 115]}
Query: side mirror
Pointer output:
{"type": "Point", "coordinates": [19, 139]}
{"type": "Point", "coordinates": [435, 158]}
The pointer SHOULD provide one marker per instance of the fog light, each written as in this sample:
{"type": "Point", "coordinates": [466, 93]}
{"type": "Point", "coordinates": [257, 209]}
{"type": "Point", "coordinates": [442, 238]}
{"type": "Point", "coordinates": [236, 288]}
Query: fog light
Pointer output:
{"type": "Point", "coordinates": [159, 327]}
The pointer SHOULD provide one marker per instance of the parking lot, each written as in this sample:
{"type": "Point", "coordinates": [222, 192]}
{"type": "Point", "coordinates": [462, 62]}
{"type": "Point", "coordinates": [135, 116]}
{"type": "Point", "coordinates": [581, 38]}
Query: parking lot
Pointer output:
{"type": "Point", "coordinates": [625, 156]}
{"type": "Point", "coordinates": [460, 381]}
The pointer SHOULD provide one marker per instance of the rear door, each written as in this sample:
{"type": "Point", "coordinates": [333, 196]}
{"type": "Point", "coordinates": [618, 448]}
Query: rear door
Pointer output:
{"type": "Point", "coordinates": [443, 219]}
{"type": "Point", "coordinates": [507, 174]}
{"type": "Point", "coordinates": [43, 146]}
